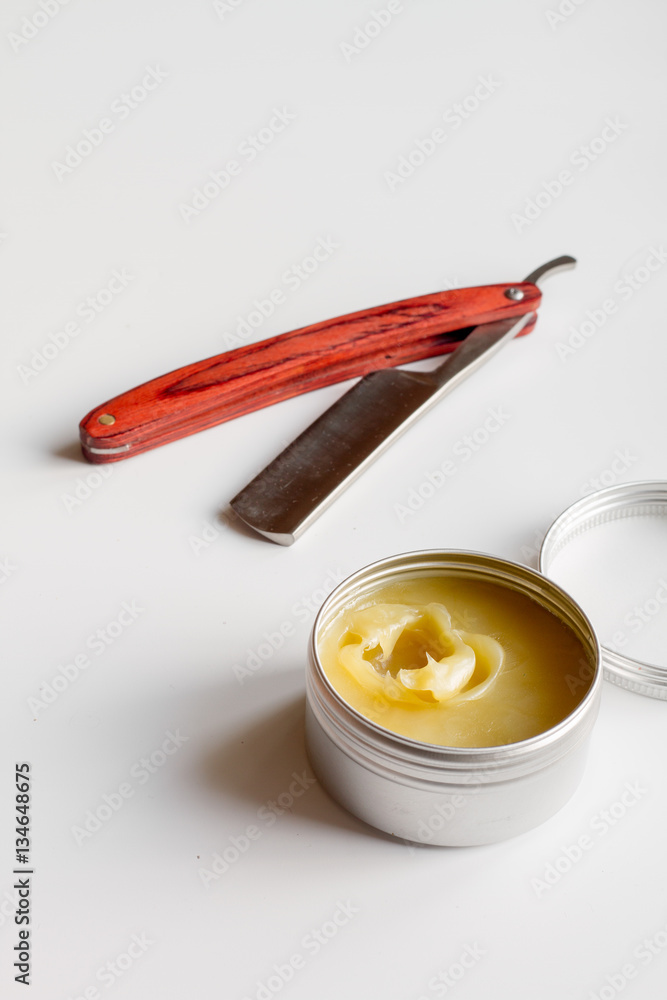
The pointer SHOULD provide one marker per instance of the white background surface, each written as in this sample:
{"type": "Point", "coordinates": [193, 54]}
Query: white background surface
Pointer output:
{"type": "Point", "coordinates": [138, 536]}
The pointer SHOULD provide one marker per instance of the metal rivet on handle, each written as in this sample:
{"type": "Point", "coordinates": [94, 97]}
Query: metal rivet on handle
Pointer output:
{"type": "Point", "coordinates": [106, 418]}
{"type": "Point", "coordinates": [516, 294]}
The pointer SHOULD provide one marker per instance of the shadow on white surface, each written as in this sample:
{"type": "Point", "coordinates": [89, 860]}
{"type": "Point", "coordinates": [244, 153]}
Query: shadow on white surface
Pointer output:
{"type": "Point", "coordinates": [260, 763]}
{"type": "Point", "coordinates": [72, 452]}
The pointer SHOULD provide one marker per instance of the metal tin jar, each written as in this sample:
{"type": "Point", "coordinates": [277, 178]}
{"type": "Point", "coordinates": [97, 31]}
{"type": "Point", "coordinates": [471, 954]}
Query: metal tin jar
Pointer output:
{"type": "Point", "coordinates": [448, 796]}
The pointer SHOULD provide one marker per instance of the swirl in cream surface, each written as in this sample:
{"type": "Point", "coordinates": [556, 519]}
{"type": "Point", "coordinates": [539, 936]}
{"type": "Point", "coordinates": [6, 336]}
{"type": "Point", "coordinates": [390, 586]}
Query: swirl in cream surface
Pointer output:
{"type": "Point", "coordinates": [455, 661]}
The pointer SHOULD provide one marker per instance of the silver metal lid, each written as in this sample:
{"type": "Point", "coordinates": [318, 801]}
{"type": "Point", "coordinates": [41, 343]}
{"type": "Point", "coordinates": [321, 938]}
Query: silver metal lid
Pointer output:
{"type": "Point", "coordinates": [609, 551]}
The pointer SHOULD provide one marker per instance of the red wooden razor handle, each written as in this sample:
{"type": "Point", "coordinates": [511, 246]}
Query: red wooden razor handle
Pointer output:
{"type": "Point", "coordinates": [231, 384]}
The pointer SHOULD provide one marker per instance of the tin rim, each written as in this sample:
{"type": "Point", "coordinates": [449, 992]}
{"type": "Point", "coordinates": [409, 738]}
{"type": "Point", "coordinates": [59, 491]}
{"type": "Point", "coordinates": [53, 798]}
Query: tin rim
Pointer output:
{"type": "Point", "coordinates": [382, 743]}
{"type": "Point", "coordinates": [647, 497]}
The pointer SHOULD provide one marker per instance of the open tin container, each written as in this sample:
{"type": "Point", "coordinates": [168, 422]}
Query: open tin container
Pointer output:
{"type": "Point", "coordinates": [464, 796]}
